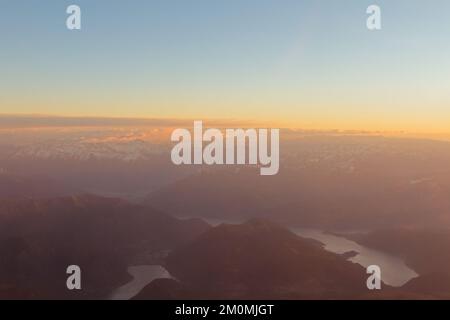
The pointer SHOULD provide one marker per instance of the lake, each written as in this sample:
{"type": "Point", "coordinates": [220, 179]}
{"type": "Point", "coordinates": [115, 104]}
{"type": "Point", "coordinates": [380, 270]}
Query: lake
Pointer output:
{"type": "Point", "coordinates": [142, 276]}
{"type": "Point", "coordinates": [394, 271]}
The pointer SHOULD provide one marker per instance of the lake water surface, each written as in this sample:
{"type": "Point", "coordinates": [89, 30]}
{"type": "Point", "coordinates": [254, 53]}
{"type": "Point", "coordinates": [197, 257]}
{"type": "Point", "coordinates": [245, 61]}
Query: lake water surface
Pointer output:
{"type": "Point", "coordinates": [142, 276]}
{"type": "Point", "coordinates": [394, 271]}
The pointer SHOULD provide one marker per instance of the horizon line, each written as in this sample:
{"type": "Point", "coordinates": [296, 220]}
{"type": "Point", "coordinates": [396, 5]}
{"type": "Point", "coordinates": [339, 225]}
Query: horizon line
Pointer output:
{"type": "Point", "coordinates": [36, 120]}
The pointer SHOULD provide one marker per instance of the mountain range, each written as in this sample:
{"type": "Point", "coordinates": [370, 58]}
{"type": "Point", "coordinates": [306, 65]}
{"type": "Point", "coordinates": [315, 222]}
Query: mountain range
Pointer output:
{"type": "Point", "coordinates": [40, 238]}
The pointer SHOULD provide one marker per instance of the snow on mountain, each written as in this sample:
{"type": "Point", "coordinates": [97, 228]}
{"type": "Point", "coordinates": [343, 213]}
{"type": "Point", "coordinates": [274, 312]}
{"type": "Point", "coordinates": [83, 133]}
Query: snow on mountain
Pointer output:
{"type": "Point", "coordinates": [87, 149]}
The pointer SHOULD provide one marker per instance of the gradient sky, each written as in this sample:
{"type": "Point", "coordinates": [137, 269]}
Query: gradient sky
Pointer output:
{"type": "Point", "coordinates": [310, 64]}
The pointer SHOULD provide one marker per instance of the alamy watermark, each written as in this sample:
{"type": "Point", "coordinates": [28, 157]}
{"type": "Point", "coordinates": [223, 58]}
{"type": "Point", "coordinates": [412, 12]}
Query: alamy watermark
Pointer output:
{"type": "Point", "coordinates": [74, 280]}
{"type": "Point", "coordinates": [374, 19]}
{"type": "Point", "coordinates": [374, 280]}
{"type": "Point", "coordinates": [227, 147]}
{"type": "Point", "coordinates": [373, 22]}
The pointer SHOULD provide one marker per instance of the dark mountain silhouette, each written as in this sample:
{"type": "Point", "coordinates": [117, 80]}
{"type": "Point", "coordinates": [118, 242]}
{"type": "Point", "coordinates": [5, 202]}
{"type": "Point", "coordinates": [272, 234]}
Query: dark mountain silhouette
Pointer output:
{"type": "Point", "coordinates": [257, 260]}
{"type": "Point", "coordinates": [40, 238]}
{"type": "Point", "coordinates": [432, 286]}
{"type": "Point", "coordinates": [426, 250]}
{"type": "Point", "coordinates": [261, 260]}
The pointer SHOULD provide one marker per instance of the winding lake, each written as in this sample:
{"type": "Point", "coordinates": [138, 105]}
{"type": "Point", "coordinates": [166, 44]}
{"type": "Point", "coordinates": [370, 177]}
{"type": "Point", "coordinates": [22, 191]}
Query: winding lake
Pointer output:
{"type": "Point", "coordinates": [394, 271]}
{"type": "Point", "coordinates": [142, 276]}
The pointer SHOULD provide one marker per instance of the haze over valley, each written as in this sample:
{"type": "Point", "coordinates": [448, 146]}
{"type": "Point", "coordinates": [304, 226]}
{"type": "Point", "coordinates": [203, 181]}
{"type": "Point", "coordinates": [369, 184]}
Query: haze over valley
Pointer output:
{"type": "Point", "coordinates": [111, 201]}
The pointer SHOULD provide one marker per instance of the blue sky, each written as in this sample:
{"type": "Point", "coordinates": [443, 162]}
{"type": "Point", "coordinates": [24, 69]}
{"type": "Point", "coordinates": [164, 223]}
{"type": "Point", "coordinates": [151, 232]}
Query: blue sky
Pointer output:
{"type": "Point", "coordinates": [311, 62]}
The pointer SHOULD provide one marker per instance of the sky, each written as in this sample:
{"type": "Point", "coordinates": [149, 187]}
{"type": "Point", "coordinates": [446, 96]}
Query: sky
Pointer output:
{"type": "Point", "coordinates": [299, 63]}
